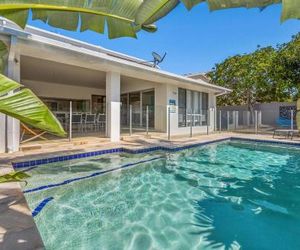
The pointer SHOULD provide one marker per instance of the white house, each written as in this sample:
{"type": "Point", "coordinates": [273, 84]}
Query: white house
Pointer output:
{"type": "Point", "coordinates": [59, 69]}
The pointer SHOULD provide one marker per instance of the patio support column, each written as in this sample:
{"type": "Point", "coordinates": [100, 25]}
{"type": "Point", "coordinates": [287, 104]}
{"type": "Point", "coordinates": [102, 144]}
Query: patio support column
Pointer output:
{"type": "Point", "coordinates": [113, 81]}
{"type": "Point", "coordinates": [10, 135]}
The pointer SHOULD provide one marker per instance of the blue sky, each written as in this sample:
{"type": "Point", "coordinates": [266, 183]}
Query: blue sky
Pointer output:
{"type": "Point", "coordinates": [195, 40]}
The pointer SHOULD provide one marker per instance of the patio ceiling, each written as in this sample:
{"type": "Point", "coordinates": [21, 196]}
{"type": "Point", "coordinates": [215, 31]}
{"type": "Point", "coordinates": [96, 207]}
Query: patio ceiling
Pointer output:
{"type": "Point", "coordinates": [33, 69]}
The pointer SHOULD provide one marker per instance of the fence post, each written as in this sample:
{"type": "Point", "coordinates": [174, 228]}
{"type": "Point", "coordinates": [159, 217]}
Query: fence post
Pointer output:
{"type": "Point", "coordinates": [169, 123]}
{"type": "Point", "coordinates": [215, 119]}
{"type": "Point", "coordinates": [248, 119]}
{"type": "Point", "coordinates": [70, 122]}
{"type": "Point", "coordinates": [256, 122]}
{"type": "Point", "coordinates": [191, 123]}
{"type": "Point", "coordinates": [220, 121]}
{"type": "Point", "coordinates": [235, 119]}
{"type": "Point", "coordinates": [147, 119]}
{"type": "Point", "coordinates": [207, 121]}
{"type": "Point", "coordinates": [227, 120]}
{"type": "Point", "coordinates": [130, 120]}
{"type": "Point", "coordinates": [292, 119]}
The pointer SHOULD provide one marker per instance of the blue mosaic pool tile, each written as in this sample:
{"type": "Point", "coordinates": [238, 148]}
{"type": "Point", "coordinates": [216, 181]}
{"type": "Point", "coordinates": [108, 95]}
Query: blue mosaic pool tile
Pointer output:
{"type": "Point", "coordinates": [39, 208]}
{"type": "Point", "coordinates": [134, 151]}
{"type": "Point", "coordinates": [266, 141]}
{"type": "Point", "coordinates": [65, 182]}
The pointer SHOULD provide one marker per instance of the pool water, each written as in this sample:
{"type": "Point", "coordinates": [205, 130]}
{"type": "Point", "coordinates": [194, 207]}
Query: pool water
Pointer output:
{"type": "Point", "coordinates": [229, 195]}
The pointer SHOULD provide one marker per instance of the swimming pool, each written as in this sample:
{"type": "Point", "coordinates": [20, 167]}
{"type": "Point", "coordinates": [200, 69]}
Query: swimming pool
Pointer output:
{"type": "Point", "coordinates": [232, 194]}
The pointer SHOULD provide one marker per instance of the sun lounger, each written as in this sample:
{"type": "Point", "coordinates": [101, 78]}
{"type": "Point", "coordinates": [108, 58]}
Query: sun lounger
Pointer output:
{"type": "Point", "coordinates": [294, 132]}
{"type": "Point", "coordinates": [287, 132]}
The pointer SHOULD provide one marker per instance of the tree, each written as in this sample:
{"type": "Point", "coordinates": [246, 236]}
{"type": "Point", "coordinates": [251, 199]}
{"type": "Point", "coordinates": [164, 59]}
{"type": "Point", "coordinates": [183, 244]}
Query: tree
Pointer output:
{"type": "Point", "coordinates": [247, 75]}
{"type": "Point", "coordinates": [288, 60]}
{"type": "Point", "coordinates": [268, 74]}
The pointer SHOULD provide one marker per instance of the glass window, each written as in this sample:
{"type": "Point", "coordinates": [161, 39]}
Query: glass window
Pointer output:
{"type": "Point", "coordinates": [63, 105]}
{"type": "Point", "coordinates": [204, 109]}
{"type": "Point", "coordinates": [192, 101]}
{"type": "Point", "coordinates": [135, 101]}
{"type": "Point", "coordinates": [181, 107]}
{"type": "Point", "coordinates": [98, 104]}
{"type": "Point", "coordinates": [204, 101]}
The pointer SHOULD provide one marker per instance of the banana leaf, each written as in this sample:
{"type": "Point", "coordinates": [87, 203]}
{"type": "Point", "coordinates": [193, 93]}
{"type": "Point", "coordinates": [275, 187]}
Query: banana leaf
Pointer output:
{"type": "Point", "coordinates": [22, 104]}
{"type": "Point", "coordinates": [14, 177]}
{"type": "Point", "coordinates": [122, 18]}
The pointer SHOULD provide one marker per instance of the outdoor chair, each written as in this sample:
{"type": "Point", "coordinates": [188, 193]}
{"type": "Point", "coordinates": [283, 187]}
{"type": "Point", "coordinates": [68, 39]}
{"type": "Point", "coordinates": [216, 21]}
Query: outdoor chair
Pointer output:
{"type": "Point", "coordinates": [294, 132]}
{"type": "Point", "coordinates": [284, 128]}
{"type": "Point", "coordinates": [283, 122]}
{"type": "Point", "coordinates": [34, 133]}
{"type": "Point", "coordinates": [77, 121]}
{"type": "Point", "coordinates": [101, 121]}
{"type": "Point", "coordinates": [62, 117]}
{"type": "Point", "coordinates": [90, 121]}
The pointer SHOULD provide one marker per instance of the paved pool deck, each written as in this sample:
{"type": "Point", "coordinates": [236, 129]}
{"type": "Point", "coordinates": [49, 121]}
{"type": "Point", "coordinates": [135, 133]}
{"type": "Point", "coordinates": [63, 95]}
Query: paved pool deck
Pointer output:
{"type": "Point", "coordinates": [17, 227]}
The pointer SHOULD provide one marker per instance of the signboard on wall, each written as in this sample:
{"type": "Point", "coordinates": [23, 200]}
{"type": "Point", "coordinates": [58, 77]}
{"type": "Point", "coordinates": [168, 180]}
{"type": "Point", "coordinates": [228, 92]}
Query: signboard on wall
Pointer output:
{"type": "Point", "coordinates": [172, 105]}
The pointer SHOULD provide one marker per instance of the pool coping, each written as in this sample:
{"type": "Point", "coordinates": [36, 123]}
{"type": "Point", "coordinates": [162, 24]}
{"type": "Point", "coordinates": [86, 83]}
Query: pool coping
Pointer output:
{"type": "Point", "coordinates": [52, 159]}
{"type": "Point", "coordinates": [32, 163]}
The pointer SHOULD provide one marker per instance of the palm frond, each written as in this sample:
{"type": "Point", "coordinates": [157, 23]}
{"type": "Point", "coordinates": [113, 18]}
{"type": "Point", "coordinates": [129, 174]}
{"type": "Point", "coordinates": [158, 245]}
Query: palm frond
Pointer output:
{"type": "Point", "coordinates": [122, 18]}
{"type": "Point", "coordinates": [22, 104]}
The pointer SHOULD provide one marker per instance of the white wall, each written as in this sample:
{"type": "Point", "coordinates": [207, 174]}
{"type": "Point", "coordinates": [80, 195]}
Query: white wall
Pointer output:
{"type": "Point", "coordinates": [131, 85]}
{"type": "Point", "coordinates": [46, 89]}
{"type": "Point", "coordinates": [172, 93]}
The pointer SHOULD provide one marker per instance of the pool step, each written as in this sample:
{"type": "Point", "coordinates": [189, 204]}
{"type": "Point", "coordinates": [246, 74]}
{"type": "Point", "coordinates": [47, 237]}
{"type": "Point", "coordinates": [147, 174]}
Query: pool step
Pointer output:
{"type": "Point", "coordinates": [134, 137]}
{"type": "Point", "coordinates": [52, 145]}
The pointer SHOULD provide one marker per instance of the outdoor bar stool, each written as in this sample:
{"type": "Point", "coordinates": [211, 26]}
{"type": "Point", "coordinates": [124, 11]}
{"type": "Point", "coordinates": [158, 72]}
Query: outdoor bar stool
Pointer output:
{"type": "Point", "coordinates": [90, 121]}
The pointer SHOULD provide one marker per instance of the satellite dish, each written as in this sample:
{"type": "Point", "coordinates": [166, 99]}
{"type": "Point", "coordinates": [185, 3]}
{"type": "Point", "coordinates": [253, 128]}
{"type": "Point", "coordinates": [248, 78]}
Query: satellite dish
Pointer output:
{"type": "Point", "coordinates": [157, 59]}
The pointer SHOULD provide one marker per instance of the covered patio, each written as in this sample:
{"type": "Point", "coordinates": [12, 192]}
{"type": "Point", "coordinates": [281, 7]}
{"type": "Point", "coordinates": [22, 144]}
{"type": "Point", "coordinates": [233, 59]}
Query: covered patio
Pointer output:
{"type": "Point", "coordinates": [82, 92]}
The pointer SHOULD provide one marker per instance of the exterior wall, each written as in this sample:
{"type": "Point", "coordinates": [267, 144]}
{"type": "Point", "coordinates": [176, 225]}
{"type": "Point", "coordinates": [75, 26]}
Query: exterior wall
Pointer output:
{"type": "Point", "coordinates": [44, 89]}
{"type": "Point", "coordinates": [136, 85]}
{"type": "Point", "coordinates": [172, 94]}
{"type": "Point", "coordinates": [269, 111]}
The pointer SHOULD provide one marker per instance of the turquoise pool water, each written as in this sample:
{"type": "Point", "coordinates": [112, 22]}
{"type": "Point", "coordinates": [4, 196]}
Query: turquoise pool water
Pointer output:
{"type": "Point", "coordinates": [230, 195]}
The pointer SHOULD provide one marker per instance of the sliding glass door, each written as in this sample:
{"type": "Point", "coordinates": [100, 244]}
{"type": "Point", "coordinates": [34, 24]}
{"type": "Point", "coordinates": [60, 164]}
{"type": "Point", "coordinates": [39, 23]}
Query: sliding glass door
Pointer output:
{"type": "Point", "coordinates": [148, 101]}
{"type": "Point", "coordinates": [135, 103]}
{"type": "Point", "coordinates": [138, 101]}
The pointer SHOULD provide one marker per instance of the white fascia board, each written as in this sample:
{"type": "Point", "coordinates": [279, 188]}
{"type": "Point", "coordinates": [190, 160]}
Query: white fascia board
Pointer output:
{"type": "Point", "coordinates": [78, 43]}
